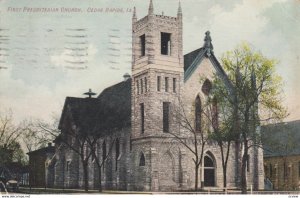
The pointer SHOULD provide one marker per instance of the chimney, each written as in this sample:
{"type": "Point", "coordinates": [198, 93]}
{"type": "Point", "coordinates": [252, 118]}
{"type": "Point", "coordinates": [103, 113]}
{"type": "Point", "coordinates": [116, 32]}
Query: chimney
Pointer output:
{"type": "Point", "coordinates": [126, 76]}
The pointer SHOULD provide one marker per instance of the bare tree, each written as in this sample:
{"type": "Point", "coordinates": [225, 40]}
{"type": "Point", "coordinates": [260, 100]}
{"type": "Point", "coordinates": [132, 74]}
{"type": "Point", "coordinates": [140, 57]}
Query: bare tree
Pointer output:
{"type": "Point", "coordinates": [95, 147]}
{"type": "Point", "coordinates": [9, 137]}
{"type": "Point", "coordinates": [34, 137]}
{"type": "Point", "coordinates": [193, 134]}
{"type": "Point", "coordinates": [73, 139]}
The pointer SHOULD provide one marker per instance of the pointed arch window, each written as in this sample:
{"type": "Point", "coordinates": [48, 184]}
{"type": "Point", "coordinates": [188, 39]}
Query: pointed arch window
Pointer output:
{"type": "Point", "coordinates": [146, 87]}
{"type": "Point", "coordinates": [117, 152]}
{"type": "Point", "coordinates": [209, 170]}
{"type": "Point", "coordinates": [104, 151]}
{"type": "Point", "coordinates": [142, 108]}
{"type": "Point", "coordinates": [137, 87]}
{"type": "Point", "coordinates": [206, 87]}
{"type": "Point", "coordinates": [285, 170]}
{"type": "Point", "coordinates": [215, 113]}
{"type": "Point", "coordinates": [208, 162]}
{"type": "Point", "coordinates": [198, 110]}
{"type": "Point", "coordinates": [142, 160]}
{"type": "Point", "coordinates": [299, 169]}
{"type": "Point", "coordinates": [130, 144]}
{"type": "Point", "coordinates": [94, 152]}
{"type": "Point", "coordinates": [248, 163]}
{"type": "Point", "coordinates": [142, 88]}
{"type": "Point", "coordinates": [166, 116]}
{"type": "Point", "coordinates": [68, 165]}
{"type": "Point", "coordinates": [158, 83]}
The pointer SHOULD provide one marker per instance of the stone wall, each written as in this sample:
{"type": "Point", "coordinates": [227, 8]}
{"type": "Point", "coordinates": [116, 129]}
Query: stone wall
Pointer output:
{"type": "Point", "coordinates": [283, 180]}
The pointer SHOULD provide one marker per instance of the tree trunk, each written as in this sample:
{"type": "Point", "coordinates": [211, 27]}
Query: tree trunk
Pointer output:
{"type": "Point", "coordinates": [196, 176]}
{"type": "Point", "coordinates": [225, 176]}
{"type": "Point", "coordinates": [224, 166]}
{"type": "Point", "coordinates": [224, 163]}
{"type": "Point", "coordinates": [100, 182]}
{"type": "Point", "coordinates": [85, 176]}
{"type": "Point", "coordinates": [243, 176]}
{"type": "Point", "coordinates": [245, 154]}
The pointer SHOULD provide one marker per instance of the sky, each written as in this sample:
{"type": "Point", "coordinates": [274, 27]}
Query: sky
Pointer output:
{"type": "Point", "coordinates": [51, 49]}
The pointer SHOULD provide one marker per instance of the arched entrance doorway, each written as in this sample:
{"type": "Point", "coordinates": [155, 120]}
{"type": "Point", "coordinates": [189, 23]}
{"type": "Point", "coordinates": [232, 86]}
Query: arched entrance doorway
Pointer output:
{"type": "Point", "coordinates": [209, 171]}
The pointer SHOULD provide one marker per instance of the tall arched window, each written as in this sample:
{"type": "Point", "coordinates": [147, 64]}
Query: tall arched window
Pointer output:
{"type": "Point", "coordinates": [209, 170]}
{"type": "Point", "coordinates": [117, 152]}
{"type": "Point", "coordinates": [206, 87]}
{"type": "Point", "coordinates": [215, 113]}
{"type": "Point", "coordinates": [130, 144]}
{"type": "Point", "coordinates": [198, 110]}
{"type": "Point", "coordinates": [298, 169]}
{"type": "Point", "coordinates": [104, 150]}
{"type": "Point", "coordinates": [142, 160]}
{"type": "Point", "coordinates": [104, 154]}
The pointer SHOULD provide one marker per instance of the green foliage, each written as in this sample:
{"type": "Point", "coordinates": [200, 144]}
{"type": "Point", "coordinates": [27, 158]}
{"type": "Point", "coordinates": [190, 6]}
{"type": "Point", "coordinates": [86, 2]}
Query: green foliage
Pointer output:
{"type": "Point", "coordinates": [252, 91]}
{"type": "Point", "coordinates": [250, 96]}
{"type": "Point", "coordinates": [254, 81]}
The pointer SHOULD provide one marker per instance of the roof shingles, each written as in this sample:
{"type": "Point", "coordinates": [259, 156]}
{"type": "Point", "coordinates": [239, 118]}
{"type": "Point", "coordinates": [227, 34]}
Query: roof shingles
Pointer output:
{"type": "Point", "coordinates": [110, 110]}
{"type": "Point", "coordinates": [281, 139]}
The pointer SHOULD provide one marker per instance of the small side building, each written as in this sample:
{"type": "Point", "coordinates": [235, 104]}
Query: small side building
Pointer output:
{"type": "Point", "coordinates": [37, 164]}
{"type": "Point", "coordinates": [282, 155]}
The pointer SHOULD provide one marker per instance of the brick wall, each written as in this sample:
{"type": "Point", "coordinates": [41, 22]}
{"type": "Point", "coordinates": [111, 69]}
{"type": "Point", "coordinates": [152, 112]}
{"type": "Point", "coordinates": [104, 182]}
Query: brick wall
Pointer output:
{"type": "Point", "coordinates": [281, 179]}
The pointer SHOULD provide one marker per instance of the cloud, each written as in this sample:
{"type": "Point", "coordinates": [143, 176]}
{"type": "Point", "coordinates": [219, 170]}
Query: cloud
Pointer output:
{"type": "Point", "coordinates": [72, 56]}
{"type": "Point", "coordinates": [26, 101]}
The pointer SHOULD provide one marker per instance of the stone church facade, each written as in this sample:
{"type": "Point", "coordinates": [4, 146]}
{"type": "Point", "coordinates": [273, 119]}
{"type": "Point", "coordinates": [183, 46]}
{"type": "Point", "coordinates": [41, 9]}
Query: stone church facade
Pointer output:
{"type": "Point", "coordinates": [136, 119]}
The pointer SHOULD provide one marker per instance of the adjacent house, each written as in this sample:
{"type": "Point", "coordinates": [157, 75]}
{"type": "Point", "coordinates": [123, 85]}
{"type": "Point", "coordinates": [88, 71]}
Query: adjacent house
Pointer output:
{"type": "Point", "coordinates": [37, 166]}
{"type": "Point", "coordinates": [282, 155]}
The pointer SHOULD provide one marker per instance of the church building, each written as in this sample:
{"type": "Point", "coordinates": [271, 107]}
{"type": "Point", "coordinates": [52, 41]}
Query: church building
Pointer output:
{"type": "Point", "coordinates": [137, 124]}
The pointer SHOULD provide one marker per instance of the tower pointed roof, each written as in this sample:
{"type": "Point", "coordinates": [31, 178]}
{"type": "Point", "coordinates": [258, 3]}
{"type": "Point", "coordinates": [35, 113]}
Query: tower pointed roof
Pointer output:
{"type": "Point", "coordinates": [208, 44]}
{"type": "Point", "coordinates": [134, 13]}
{"type": "Point", "coordinates": [179, 12]}
{"type": "Point", "coordinates": [151, 10]}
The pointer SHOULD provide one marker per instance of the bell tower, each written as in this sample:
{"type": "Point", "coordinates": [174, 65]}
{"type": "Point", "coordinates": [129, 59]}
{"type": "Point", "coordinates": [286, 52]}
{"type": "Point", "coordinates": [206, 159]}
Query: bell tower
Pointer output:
{"type": "Point", "coordinates": [157, 82]}
{"type": "Point", "coordinates": [157, 69]}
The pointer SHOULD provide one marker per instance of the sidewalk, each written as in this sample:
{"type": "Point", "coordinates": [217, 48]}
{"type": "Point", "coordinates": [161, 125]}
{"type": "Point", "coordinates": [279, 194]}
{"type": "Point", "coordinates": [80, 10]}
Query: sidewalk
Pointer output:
{"type": "Point", "coordinates": [26, 190]}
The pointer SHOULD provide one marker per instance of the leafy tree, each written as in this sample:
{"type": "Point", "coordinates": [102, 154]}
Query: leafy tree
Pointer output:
{"type": "Point", "coordinates": [224, 133]}
{"type": "Point", "coordinates": [252, 94]}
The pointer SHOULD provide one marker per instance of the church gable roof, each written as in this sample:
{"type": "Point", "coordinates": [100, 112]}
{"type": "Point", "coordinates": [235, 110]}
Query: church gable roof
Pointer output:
{"type": "Point", "coordinates": [116, 101]}
{"type": "Point", "coordinates": [82, 112]}
{"type": "Point", "coordinates": [190, 57]}
{"type": "Point", "coordinates": [110, 110]}
{"type": "Point", "coordinates": [281, 139]}
{"type": "Point", "coordinates": [193, 59]}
